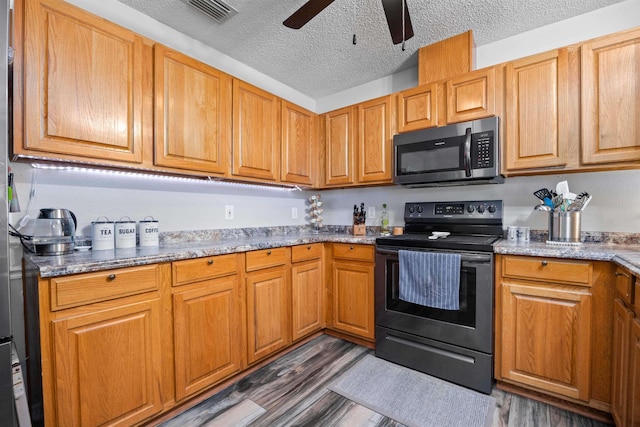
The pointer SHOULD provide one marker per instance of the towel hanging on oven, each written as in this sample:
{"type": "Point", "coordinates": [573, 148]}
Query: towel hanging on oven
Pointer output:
{"type": "Point", "coordinates": [431, 279]}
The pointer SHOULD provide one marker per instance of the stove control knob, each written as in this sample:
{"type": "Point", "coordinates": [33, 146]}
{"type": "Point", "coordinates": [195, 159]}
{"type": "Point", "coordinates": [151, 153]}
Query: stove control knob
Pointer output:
{"type": "Point", "coordinates": [480, 209]}
{"type": "Point", "coordinates": [470, 209]}
{"type": "Point", "coordinates": [420, 209]}
{"type": "Point", "coordinates": [411, 209]}
{"type": "Point", "coordinates": [492, 209]}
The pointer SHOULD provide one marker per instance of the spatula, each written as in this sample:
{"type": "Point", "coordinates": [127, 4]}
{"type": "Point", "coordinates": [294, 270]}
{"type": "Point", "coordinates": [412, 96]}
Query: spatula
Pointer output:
{"type": "Point", "coordinates": [543, 193]}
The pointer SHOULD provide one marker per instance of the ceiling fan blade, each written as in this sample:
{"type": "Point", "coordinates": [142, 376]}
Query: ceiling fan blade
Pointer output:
{"type": "Point", "coordinates": [393, 11]}
{"type": "Point", "coordinates": [306, 13]}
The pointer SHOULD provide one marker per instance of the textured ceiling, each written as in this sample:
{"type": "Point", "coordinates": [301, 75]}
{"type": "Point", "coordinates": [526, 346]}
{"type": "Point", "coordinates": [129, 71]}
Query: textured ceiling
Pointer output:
{"type": "Point", "coordinates": [320, 59]}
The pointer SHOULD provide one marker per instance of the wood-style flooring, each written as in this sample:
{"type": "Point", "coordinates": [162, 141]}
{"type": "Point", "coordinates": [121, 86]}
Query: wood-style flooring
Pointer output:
{"type": "Point", "coordinates": [292, 391]}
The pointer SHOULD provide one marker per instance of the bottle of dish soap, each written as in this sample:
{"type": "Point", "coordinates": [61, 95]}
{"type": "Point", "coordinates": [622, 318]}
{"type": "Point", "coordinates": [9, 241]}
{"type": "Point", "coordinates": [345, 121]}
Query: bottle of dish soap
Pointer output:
{"type": "Point", "coordinates": [384, 229]}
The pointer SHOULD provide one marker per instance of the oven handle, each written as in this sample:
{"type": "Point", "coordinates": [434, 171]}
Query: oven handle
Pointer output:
{"type": "Point", "coordinates": [464, 257]}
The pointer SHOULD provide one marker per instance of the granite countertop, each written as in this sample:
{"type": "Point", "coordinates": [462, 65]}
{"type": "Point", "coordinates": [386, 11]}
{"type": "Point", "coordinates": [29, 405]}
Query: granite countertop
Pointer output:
{"type": "Point", "coordinates": [626, 255]}
{"type": "Point", "coordinates": [89, 260]}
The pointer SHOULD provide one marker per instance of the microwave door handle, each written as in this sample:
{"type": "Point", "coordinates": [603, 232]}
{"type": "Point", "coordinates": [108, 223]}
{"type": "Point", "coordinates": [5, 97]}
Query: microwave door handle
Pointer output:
{"type": "Point", "coordinates": [467, 153]}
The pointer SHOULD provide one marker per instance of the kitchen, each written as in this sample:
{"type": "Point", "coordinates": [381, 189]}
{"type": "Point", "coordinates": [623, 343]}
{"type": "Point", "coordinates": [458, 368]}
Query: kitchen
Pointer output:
{"type": "Point", "coordinates": [201, 205]}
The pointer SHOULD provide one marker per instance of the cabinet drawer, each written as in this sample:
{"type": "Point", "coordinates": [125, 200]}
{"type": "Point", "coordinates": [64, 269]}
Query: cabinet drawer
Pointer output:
{"type": "Point", "coordinates": [305, 252]}
{"type": "Point", "coordinates": [353, 251]}
{"type": "Point", "coordinates": [624, 285]}
{"type": "Point", "coordinates": [80, 289]}
{"type": "Point", "coordinates": [548, 269]}
{"type": "Point", "coordinates": [257, 260]}
{"type": "Point", "coordinates": [193, 270]}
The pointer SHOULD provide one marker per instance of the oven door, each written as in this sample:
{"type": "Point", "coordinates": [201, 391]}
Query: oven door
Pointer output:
{"type": "Point", "coordinates": [470, 327]}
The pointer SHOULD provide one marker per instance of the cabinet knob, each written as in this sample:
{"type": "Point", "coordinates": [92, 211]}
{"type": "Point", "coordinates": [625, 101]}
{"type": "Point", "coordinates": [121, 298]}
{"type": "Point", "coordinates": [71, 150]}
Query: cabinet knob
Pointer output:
{"type": "Point", "coordinates": [111, 277]}
{"type": "Point", "coordinates": [268, 252]}
{"type": "Point", "coordinates": [351, 247]}
{"type": "Point", "coordinates": [544, 263]}
{"type": "Point", "coordinates": [210, 262]}
{"type": "Point", "coordinates": [309, 247]}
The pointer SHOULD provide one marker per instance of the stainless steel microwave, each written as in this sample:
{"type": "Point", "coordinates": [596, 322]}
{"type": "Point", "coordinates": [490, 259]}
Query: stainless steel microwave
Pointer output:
{"type": "Point", "coordinates": [457, 154]}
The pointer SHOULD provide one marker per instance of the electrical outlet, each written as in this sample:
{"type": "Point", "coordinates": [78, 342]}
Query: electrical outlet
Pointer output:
{"type": "Point", "coordinates": [371, 212]}
{"type": "Point", "coordinates": [294, 213]}
{"type": "Point", "coordinates": [228, 212]}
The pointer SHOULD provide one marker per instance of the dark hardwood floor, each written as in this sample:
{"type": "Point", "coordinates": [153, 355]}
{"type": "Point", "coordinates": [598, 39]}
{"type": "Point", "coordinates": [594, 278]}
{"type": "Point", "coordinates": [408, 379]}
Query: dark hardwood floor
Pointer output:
{"type": "Point", "coordinates": [292, 391]}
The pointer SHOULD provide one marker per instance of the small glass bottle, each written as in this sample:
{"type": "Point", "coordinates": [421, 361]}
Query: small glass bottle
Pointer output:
{"type": "Point", "coordinates": [384, 229]}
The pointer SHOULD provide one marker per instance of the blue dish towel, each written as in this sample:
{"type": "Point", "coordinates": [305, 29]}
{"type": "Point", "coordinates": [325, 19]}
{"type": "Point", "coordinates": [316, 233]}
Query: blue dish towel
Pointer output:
{"type": "Point", "coordinates": [431, 279]}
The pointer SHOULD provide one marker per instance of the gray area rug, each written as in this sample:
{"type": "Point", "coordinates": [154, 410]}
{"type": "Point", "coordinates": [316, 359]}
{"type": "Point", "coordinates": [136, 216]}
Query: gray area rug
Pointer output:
{"type": "Point", "coordinates": [411, 397]}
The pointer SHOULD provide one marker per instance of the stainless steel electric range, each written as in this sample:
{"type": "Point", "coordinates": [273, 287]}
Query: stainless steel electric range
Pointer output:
{"type": "Point", "coordinates": [453, 342]}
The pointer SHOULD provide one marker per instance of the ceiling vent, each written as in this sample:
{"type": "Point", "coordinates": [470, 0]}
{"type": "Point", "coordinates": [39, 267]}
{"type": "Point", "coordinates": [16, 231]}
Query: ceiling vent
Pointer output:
{"type": "Point", "coordinates": [217, 10]}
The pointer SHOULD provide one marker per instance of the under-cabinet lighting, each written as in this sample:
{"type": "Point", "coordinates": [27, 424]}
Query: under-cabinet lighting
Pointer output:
{"type": "Point", "coordinates": [151, 176]}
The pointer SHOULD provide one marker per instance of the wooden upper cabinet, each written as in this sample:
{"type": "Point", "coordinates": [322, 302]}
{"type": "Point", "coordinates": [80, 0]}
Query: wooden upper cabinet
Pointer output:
{"type": "Point", "coordinates": [299, 145]}
{"type": "Point", "coordinates": [418, 108]}
{"type": "Point", "coordinates": [340, 130]}
{"type": "Point", "coordinates": [471, 96]}
{"type": "Point", "coordinates": [256, 132]}
{"type": "Point", "coordinates": [192, 114]}
{"type": "Point", "coordinates": [536, 115]}
{"type": "Point", "coordinates": [611, 99]}
{"type": "Point", "coordinates": [445, 58]}
{"type": "Point", "coordinates": [375, 139]}
{"type": "Point", "coordinates": [81, 85]}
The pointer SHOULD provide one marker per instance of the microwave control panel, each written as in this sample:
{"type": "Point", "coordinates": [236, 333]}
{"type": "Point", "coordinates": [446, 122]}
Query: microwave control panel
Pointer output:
{"type": "Point", "coordinates": [482, 150]}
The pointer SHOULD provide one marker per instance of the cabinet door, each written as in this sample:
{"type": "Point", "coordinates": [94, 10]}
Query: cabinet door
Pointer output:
{"type": "Point", "coordinates": [610, 100]}
{"type": "Point", "coordinates": [84, 85]}
{"type": "Point", "coordinates": [193, 114]}
{"type": "Point", "coordinates": [537, 121]}
{"type": "Point", "coordinates": [306, 298]}
{"type": "Point", "coordinates": [207, 334]}
{"type": "Point", "coordinates": [622, 317]}
{"type": "Point", "coordinates": [256, 132]}
{"type": "Point", "coordinates": [633, 395]}
{"type": "Point", "coordinates": [352, 298]}
{"type": "Point", "coordinates": [471, 96]}
{"type": "Point", "coordinates": [546, 339]}
{"type": "Point", "coordinates": [299, 145]}
{"type": "Point", "coordinates": [340, 150]}
{"type": "Point", "coordinates": [107, 366]}
{"type": "Point", "coordinates": [418, 108]}
{"type": "Point", "coordinates": [375, 140]}
{"type": "Point", "coordinates": [268, 304]}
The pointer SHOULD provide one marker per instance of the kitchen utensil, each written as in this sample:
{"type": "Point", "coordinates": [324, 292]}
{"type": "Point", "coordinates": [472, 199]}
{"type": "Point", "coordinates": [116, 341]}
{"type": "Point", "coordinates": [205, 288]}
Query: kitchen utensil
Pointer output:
{"type": "Point", "coordinates": [541, 207]}
{"type": "Point", "coordinates": [557, 201]}
{"type": "Point", "coordinates": [562, 188]}
{"type": "Point", "coordinates": [542, 194]}
{"type": "Point", "coordinates": [586, 202]}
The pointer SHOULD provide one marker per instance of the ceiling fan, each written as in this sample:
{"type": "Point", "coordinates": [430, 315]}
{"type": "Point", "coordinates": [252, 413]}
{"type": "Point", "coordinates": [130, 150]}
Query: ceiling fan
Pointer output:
{"type": "Point", "coordinates": [393, 9]}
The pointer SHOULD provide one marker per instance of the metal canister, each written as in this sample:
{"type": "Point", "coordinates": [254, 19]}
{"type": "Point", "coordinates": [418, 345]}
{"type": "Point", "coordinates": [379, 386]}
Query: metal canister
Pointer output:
{"type": "Point", "coordinates": [148, 231]}
{"type": "Point", "coordinates": [102, 234]}
{"type": "Point", "coordinates": [564, 226]}
{"type": "Point", "coordinates": [125, 230]}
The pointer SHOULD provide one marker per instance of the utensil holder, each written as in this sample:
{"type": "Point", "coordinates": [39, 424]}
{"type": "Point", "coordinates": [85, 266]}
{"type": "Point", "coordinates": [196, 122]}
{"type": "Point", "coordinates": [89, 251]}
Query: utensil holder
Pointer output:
{"type": "Point", "coordinates": [565, 226]}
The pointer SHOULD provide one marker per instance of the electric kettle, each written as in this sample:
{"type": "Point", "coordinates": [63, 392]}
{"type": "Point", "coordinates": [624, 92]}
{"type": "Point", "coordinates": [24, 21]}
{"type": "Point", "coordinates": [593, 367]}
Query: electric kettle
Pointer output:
{"type": "Point", "coordinates": [53, 232]}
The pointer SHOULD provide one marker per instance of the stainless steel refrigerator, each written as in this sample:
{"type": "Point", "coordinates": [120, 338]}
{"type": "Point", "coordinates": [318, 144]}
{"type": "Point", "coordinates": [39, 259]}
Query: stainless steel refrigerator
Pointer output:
{"type": "Point", "coordinates": [7, 411]}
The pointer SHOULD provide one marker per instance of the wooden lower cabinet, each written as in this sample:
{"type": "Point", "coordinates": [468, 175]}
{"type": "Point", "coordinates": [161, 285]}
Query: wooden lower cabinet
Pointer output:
{"type": "Point", "coordinates": [553, 327]}
{"type": "Point", "coordinates": [106, 365]}
{"type": "Point", "coordinates": [268, 291]}
{"type": "Point", "coordinates": [352, 290]}
{"type": "Point", "coordinates": [207, 325]}
{"type": "Point", "coordinates": [307, 290]}
{"type": "Point", "coordinates": [625, 372]}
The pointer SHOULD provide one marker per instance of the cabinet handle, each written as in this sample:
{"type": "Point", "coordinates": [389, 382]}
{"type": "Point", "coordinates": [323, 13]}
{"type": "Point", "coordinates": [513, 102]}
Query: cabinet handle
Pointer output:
{"type": "Point", "coordinates": [268, 252]}
{"type": "Point", "coordinates": [350, 247]}
{"type": "Point", "coordinates": [210, 262]}
{"type": "Point", "coordinates": [620, 274]}
{"type": "Point", "coordinates": [544, 263]}
{"type": "Point", "coordinates": [309, 247]}
{"type": "Point", "coordinates": [111, 277]}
